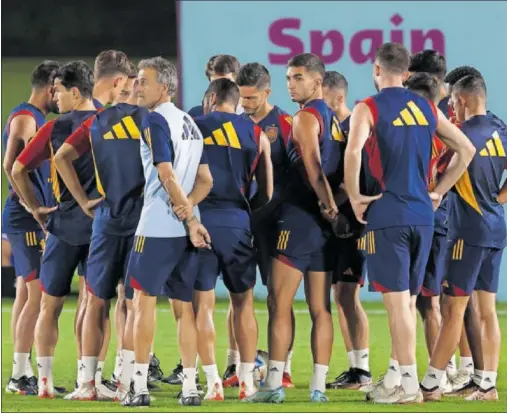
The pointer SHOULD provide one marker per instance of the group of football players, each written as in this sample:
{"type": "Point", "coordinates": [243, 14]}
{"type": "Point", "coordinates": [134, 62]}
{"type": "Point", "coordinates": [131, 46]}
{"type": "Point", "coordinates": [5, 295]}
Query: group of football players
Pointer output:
{"type": "Point", "coordinates": [144, 199]}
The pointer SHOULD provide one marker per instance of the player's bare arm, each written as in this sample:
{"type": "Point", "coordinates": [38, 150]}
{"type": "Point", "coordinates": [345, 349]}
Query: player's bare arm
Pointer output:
{"type": "Point", "coordinates": [30, 158]}
{"type": "Point", "coordinates": [263, 174]}
{"type": "Point", "coordinates": [21, 129]}
{"type": "Point", "coordinates": [202, 186]}
{"type": "Point", "coordinates": [305, 132]}
{"type": "Point", "coordinates": [198, 234]}
{"type": "Point", "coordinates": [361, 122]}
{"type": "Point", "coordinates": [464, 151]}
{"type": "Point", "coordinates": [63, 161]}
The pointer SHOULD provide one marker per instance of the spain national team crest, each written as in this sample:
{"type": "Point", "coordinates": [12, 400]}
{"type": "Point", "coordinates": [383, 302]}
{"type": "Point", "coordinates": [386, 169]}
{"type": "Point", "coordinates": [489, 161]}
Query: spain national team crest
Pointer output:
{"type": "Point", "coordinates": [272, 133]}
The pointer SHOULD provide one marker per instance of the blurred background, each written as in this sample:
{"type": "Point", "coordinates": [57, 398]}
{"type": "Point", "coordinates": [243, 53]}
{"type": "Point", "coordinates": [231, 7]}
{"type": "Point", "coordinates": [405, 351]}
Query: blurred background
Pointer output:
{"type": "Point", "coordinates": [345, 34]}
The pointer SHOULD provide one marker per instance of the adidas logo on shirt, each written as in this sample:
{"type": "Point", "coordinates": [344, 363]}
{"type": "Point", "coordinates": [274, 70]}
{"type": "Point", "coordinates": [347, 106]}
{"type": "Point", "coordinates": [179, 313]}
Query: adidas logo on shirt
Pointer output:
{"type": "Point", "coordinates": [494, 147]}
{"type": "Point", "coordinates": [411, 115]}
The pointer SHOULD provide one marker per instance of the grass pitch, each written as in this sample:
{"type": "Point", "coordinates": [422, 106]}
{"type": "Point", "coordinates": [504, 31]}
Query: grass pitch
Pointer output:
{"type": "Point", "coordinates": [297, 398]}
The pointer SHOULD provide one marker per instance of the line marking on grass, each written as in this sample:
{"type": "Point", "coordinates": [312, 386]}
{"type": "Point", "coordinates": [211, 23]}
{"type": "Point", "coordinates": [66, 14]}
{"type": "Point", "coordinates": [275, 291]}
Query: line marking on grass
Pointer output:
{"type": "Point", "coordinates": [500, 312]}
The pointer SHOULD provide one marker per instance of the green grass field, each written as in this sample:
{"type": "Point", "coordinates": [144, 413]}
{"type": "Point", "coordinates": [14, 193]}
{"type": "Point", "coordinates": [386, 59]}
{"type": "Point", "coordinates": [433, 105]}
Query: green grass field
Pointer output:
{"type": "Point", "coordinates": [166, 350]}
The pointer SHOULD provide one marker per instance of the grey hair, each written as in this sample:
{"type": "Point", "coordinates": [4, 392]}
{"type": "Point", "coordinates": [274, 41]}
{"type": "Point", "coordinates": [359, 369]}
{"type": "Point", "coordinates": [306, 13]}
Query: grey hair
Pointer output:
{"type": "Point", "coordinates": [166, 72]}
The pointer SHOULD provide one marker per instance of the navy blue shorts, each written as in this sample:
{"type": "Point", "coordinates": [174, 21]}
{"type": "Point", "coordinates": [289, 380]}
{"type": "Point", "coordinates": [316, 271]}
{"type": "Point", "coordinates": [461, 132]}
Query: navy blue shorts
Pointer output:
{"type": "Point", "coordinates": [107, 263]}
{"type": "Point", "coordinates": [233, 255]}
{"type": "Point", "coordinates": [305, 241]}
{"type": "Point", "coordinates": [397, 257]}
{"type": "Point", "coordinates": [350, 266]}
{"type": "Point", "coordinates": [469, 268]}
{"type": "Point", "coordinates": [59, 262]}
{"type": "Point", "coordinates": [435, 268]}
{"type": "Point", "coordinates": [27, 247]}
{"type": "Point", "coordinates": [166, 265]}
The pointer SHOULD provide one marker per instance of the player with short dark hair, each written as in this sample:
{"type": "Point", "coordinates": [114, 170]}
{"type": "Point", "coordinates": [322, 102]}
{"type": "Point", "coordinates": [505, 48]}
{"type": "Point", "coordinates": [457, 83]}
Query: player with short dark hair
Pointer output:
{"type": "Point", "coordinates": [348, 275]}
{"type": "Point", "coordinates": [459, 73]}
{"type": "Point", "coordinates": [476, 239]}
{"type": "Point", "coordinates": [429, 61]}
{"type": "Point", "coordinates": [470, 349]}
{"type": "Point", "coordinates": [217, 67]}
{"type": "Point", "coordinates": [112, 136]}
{"type": "Point", "coordinates": [305, 245]}
{"type": "Point", "coordinates": [69, 229]}
{"type": "Point", "coordinates": [254, 83]}
{"type": "Point", "coordinates": [22, 230]}
{"type": "Point", "coordinates": [236, 151]}
{"type": "Point", "coordinates": [395, 128]}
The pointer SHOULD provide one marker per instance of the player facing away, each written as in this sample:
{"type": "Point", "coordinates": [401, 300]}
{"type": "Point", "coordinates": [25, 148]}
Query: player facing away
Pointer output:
{"type": "Point", "coordinates": [23, 232]}
{"type": "Point", "coordinates": [236, 151]}
{"type": "Point", "coordinates": [218, 67]}
{"type": "Point", "coordinates": [112, 137]}
{"type": "Point", "coordinates": [171, 153]}
{"type": "Point", "coordinates": [348, 275]}
{"type": "Point", "coordinates": [254, 83]}
{"type": "Point", "coordinates": [476, 239]}
{"type": "Point", "coordinates": [396, 128]}
{"type": "Point", "coordinates": [109, 72]}
{"type": "Point", "coordinates": [68, 228]}
{"type": "Point", "coordinates": [305, 239]}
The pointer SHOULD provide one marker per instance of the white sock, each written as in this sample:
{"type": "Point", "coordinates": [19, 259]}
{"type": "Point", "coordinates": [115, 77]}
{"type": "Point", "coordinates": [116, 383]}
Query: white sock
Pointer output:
{"type": "Point", "coordinates": [127, 368]}
{"type": "Point", "coordinates": [288, 363]}
{"type": "Point", "coordinates": [432, 378]}
{"type": "Point", "coordinates": [233, 357]}
{"type": "Point", "coordinates": [212, 377]}
{"type": "Point", "coordinates": [80, 369]}
{"type": "Point", "coordinates": [477, 377]}
{"type": "Point", "coordinates": [189, 380]}
{"type": "Point", "coordinates": [466, 364]}
{"type": "Point", "coordinates": [19, 364]}
{"type": "Point", "coordinates": [409, 380]}
{"type": "Point", "coordinates": [89, 368]}
{"type": "Point", "coordinates": [45, 368]}
{"type": "Point", "coordinates": [98, 373]}
{"type": "Point", "coordinates": [488, 380]}
{"type": "Point", "coordinates": [275, 375]}
{"type": "Point", "coordinates": [362, 359]}
{"type": "Point", "coordinates": [140, 377]}
{"type": "Point", "coordinates": [319, 378]}
{"type": "Point", "coordinates": [352, 360]}
{"type": "Point", "coordinates": [29, 370]}
{"type": "Point", "coordinates": [117, 364]}
{"type": "Point", "coordinates": [151, 356]}
{"type": "Point", "coordinates": [393, 376]}
{"type": "Point", "coordinates": [245, 374]}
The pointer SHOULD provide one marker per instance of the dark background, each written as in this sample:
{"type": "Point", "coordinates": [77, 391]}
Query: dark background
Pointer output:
{"type": "Point", "coordinates": [35, 28]}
